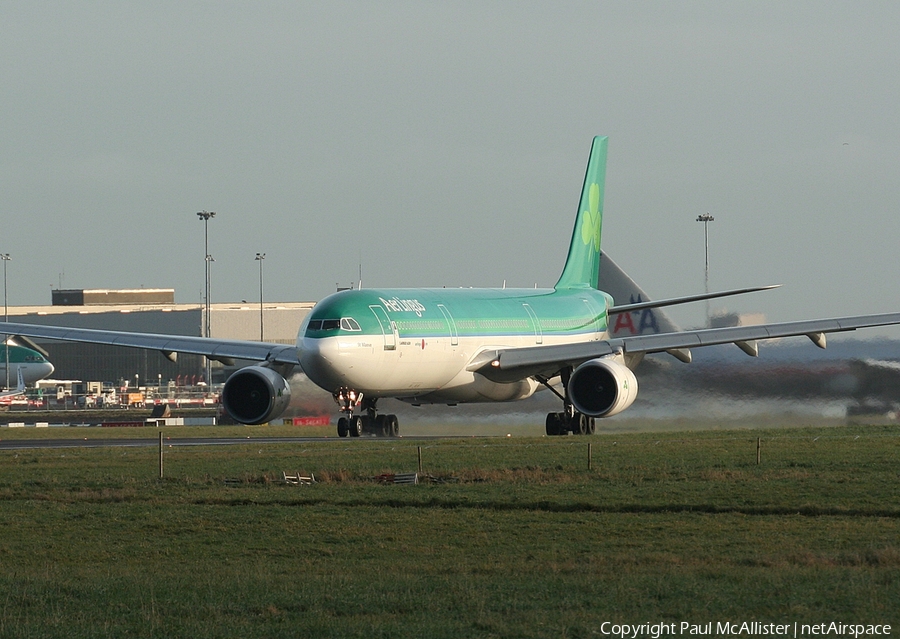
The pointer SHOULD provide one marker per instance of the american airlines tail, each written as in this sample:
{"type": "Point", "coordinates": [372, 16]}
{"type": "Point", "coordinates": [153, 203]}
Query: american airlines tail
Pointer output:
{"type": "Point", "coordinates": [624, 290]}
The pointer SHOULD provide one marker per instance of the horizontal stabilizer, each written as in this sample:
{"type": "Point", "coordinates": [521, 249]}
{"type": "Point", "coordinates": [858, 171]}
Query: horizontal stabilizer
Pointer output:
{"type": "Point", "coordinates": [630, 308]}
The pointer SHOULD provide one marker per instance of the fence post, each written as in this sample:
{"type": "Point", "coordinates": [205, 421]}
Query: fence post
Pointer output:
{"type": "Point", "coordinates": [419, 454]}
{"type": "Point", "coordinates": [757, 451]}
{"type": "Point", "coordinates": [590, 457]}
{"type": "Point", "coordinates": [160, 455]}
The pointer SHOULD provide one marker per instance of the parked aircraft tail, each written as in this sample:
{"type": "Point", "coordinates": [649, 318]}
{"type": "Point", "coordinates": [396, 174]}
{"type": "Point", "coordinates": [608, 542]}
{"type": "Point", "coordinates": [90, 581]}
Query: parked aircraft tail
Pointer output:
{"type": "Point", "coordinates": [625, 291]}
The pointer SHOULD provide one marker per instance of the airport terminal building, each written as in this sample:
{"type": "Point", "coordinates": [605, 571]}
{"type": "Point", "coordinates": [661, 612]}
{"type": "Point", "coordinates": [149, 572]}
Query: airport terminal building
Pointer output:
{"type": "Point", "coordinates": [151, 311]}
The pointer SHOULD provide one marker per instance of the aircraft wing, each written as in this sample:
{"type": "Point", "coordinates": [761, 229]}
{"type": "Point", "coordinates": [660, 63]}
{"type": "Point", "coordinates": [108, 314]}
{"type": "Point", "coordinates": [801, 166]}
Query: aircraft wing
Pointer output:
{"type": "Point", "coordinates": [223, 350]}
{"type": "Point", "coordinates": [506, 365]}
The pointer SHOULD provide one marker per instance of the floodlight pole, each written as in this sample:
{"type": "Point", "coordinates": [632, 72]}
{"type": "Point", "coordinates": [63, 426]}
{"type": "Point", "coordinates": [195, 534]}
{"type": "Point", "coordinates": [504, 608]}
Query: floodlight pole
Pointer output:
{"type": "Point", "coordinates": [259, 258]}
{"type": "Point", "coordinates": [205, 216]}
{"type": "Point", "coordinates": [706, 218]}
{"type": "Point", "coordinates": [5, 257]}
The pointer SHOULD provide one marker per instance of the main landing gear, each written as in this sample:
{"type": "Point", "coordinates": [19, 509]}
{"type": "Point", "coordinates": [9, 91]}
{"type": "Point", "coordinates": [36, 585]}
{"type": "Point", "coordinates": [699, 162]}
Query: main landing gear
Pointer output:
{"type": "Point", "coordinates": [563, 423]}
{"type": "Point", "coordinates": [355, 425]}
{"type": "Point", "coordinates": [570, 420]}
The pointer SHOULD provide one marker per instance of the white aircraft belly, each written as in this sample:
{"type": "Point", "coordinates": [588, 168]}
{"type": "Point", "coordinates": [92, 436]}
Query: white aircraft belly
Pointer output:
{"type": "Point", "coordinates": [364, 365]}
{"type": "Point", "coordinates": [433, 368]}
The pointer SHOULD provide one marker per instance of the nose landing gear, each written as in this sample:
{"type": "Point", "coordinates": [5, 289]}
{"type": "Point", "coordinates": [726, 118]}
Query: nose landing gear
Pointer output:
{"type": "Point", "coordinates": [355, 425]}
{"type": "Point", "coordinates": [347, 399]}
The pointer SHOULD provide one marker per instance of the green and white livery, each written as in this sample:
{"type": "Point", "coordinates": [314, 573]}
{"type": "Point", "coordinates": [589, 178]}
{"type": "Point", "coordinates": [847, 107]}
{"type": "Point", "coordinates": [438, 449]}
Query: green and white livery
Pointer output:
{"type": "Point", "coordinates": [24, 366]}
{"type": "Point", "coordinates": [583, 264]}
{"type": "Point", "coordinates": [426, 345]}
{"type": "Point", "coordinates": [472, 345]}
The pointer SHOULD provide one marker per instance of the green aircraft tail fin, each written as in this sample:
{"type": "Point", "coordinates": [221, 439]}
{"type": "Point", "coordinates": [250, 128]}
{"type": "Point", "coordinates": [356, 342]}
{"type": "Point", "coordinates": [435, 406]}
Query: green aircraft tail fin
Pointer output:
{"type": "Point", "coordinates": [582, 265]}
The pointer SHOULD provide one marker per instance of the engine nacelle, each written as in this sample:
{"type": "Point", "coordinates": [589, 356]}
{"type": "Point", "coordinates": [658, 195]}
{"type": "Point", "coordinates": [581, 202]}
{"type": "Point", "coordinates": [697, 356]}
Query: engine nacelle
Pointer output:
{"type": "Point", "coordinates": [255, 394]}
{"type": "Point", "coordinates": [602, 388]}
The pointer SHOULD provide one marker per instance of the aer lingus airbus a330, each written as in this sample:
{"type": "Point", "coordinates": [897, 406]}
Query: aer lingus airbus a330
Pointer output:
{"type": "Point", "coordinates": [448, 346]}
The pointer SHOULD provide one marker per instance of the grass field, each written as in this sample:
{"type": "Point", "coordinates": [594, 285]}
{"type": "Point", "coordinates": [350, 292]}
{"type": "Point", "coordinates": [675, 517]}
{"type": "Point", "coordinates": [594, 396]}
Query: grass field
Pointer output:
{"type": "Point", "coordinates": [520, 539]}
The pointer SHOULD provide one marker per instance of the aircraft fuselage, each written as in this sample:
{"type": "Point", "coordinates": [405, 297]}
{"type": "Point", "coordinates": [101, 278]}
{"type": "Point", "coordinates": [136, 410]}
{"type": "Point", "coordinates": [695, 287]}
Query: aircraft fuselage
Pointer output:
{"type": "Point", "coordinates": [415, 344]}
{"type": "Point", "coordinates": [34, 365]}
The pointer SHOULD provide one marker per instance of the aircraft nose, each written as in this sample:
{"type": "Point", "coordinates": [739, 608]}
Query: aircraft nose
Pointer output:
{"type": "Point", "coordinates": [317, 359]}
{"type": "Point", "coordinates": [312, 353]}
{"type": "Point", "coordinates": [36, 371]}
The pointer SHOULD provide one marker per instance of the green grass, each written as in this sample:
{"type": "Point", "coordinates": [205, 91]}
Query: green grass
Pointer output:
{"type": "Point", "coordinates": [151, 432]}
{"type": "Point", "coordinates": [522, 541]}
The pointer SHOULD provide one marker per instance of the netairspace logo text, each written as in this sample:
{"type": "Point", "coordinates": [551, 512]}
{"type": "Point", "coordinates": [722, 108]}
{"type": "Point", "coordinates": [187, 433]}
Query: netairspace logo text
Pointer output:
{"type": "Point", "coordinates": [795, 630]}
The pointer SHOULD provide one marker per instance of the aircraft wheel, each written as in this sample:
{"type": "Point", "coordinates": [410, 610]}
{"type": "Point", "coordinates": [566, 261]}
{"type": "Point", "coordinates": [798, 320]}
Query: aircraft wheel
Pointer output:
{"type": "Point", "coordinates": [356, 426]}
{"type": "Point", "coordinates": [579, 424]}
{"type": "Point", "coordinates": [392, 426]}
{"type": "Point", "coordinates": [592, 426]}
{"type": "Point", "coordinates": [552, 424]}
{"type": "Point", "coordinates": [343, 427]}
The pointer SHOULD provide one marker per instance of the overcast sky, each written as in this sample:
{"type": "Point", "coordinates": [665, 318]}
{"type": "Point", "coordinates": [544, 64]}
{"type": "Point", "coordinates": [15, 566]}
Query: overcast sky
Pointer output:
{"type": "Point", "coordinates": [444, 144]}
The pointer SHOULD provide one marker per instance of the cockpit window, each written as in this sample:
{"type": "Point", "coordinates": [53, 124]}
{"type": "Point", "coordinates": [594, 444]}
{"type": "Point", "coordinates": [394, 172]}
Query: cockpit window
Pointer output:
{"type": "Point", "coordinates": [345, 323]}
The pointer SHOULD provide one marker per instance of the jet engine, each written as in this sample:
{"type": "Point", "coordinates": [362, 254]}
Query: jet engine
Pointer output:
{"type": "Point", "coordinates": [602, 388]}
{"type": "Point", "coordinates": [255, 394]}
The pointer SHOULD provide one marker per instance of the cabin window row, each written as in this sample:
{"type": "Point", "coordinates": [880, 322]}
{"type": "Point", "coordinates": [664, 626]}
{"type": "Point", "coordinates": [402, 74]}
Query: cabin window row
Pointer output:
{"type": "Point", "coordinates": [424, 325]}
